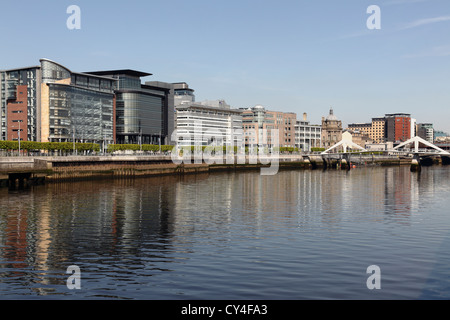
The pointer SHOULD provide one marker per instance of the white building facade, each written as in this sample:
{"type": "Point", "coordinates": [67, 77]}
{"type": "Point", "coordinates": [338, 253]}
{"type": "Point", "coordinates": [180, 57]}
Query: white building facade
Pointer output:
{"type": "Point", "coordinates": [201, 124]}
{"type": "Point", "coordinates": [307, 135]}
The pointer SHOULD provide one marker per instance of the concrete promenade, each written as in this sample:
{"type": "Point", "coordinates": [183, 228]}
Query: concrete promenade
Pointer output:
{"type": "Point", "coordinates": [35, 170]}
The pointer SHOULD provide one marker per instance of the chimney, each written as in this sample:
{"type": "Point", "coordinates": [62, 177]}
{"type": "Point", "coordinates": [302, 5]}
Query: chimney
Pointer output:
{"type": "Point", "coordinates": [304, 116]}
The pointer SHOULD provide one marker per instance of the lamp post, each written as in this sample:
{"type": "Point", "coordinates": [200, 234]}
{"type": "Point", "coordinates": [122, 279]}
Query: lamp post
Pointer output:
{"type": "Point", "coordinates": [73, 139]}
{"type": "Point", "coordinates": [19, 135]}
{"type": "Point", "coordinates": [140, 138]}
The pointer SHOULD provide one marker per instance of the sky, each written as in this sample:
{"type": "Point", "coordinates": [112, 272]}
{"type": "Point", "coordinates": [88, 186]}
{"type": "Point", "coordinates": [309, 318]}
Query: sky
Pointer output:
{"type": "Point", "coordinates": [287, 55]}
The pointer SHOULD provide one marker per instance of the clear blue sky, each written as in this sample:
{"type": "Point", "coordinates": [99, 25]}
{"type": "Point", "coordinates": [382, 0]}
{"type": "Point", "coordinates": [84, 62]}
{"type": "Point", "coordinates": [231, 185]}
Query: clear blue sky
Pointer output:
{"type": "Point", "coordinates": [297, 56]}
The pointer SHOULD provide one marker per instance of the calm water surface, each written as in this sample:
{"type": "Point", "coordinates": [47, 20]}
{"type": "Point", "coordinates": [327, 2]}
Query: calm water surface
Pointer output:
{"type": "Point", "coordinates": [295, 235]}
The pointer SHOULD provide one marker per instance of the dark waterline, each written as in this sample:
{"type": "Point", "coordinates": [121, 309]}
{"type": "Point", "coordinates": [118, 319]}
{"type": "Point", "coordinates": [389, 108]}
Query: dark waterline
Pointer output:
{"type": "Point", "coordinates": [296, 235]}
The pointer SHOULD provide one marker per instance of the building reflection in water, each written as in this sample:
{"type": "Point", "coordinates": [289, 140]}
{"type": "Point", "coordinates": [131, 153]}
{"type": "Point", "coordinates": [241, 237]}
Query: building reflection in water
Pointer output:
{"type": "Point", "coordinates": [47, 228]}
{"type": "Point", "coordinates": [142, 222]}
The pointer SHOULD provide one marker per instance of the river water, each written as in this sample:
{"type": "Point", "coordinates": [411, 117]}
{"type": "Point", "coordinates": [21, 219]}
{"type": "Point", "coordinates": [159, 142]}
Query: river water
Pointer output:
{"type": "Point", "coordinates": [296, 235]}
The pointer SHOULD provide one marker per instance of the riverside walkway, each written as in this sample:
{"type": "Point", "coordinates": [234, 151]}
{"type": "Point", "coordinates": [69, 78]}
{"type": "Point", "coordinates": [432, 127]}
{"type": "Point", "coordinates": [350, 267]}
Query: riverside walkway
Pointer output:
{"type": "Point", "coordinates": [31, 170]}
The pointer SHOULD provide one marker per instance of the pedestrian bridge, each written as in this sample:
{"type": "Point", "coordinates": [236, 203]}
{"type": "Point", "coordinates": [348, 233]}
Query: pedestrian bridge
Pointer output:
{"type": "Point", "coordinates": [346, 144]}
{"type": "Point", "coordinates": [419, 150]}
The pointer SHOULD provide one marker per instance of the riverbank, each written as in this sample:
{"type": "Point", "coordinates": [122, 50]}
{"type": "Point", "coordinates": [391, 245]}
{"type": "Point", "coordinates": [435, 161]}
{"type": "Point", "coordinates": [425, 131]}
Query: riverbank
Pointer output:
{"type": "Point", "coordinates": [23, 171]}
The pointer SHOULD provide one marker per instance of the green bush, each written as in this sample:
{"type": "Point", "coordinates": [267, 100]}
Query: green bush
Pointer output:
{"type": "Point", "coordinates": [136, 147]}
{"type": "Point", "coordinates": [48, 146]}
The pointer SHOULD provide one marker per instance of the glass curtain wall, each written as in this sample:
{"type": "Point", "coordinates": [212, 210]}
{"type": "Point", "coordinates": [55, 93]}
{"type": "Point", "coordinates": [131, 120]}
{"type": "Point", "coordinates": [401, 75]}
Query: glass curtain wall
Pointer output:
{"type": "Point", "coordinates": [139, 117]}
{"type": "Point", "coordinates": [80, 114]}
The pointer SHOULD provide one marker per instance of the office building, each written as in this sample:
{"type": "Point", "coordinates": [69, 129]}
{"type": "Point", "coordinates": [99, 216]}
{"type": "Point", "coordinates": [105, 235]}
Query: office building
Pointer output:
{"type": "Point", "coordinates": [182, 93]}
{"type": "Point", "coordinates": [425, 131]}
{"type": "Point", "coordinates": [208, 123]}
{"type": "Point", "coordinates": [49, 102]}
{"type": "Point", "coordinates": [258, 121]}
{"type": "Point", "coordinates": [144, 112]}
{"type": "Point", "coordinates": [307, 135]}
{"type": "Point", "coordinates": [75, 106]}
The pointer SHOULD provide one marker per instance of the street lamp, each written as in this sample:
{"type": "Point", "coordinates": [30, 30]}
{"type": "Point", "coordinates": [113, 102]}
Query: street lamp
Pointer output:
{"type": "Point", "coordinates": [140, 138]}
{"type": "Point", "coordinates": [19, 135]}
{"type": "Point", "coordinates": [73, 140]}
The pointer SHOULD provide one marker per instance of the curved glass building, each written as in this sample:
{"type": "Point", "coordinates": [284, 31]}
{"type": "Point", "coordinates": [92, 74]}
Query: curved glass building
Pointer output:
{"type": "Point", "coordinates": [144, 112]}
{"type": "Point", "coordinates": [51, 103]}
{"type": "Point", "coordinates": [76, 106]}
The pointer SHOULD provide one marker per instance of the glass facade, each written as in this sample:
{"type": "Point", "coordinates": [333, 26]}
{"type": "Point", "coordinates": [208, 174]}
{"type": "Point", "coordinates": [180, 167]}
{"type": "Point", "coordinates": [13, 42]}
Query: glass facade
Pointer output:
{"type": "Point", "coordinates": [142, 111]}
{"type": "Point", "coordinates": [80, 106]}
{"type": "Point", "coordinates": [139, 116]}
{"type": "Point", "coordinates": [126, 82]}
{"type": "Point", "coordinates": [80, 114]}
{"type": "Point", "coordinates": [111, 106]}
{"type": "Point", "coordinates": [52, 71]}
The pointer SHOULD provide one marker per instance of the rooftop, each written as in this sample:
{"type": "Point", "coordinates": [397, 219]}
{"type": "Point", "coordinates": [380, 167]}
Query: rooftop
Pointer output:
{"type": "Point", "coordinates": [128, 72]}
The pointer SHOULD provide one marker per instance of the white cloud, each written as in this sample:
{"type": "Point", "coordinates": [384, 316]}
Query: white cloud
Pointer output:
{"type": "Point", "coordinates": [399, 2]}
{"type": "Point", "coordinates": [440, 51]}
{"type": "Point", "coordinates": [422, 22]}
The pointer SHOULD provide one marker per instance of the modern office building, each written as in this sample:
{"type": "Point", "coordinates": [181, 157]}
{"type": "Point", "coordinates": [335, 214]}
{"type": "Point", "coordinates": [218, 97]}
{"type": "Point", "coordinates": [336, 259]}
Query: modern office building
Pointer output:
{"type": "Point", "coordinates": [49, 102]}
{"type": "Point", "coordinates": [307, 135]}
{"type": "Point", "coordinates": [399, 127]}
{"type": "Point", "coordinates": [144, 112]}
{"type": "Point", "coordinates": [258, 121]}
{"type": "Point", "coordinates": [183, 94]}
{"type": "Point", "coordinates": [169, 111]}
{"type": "Point", "coordinates": [202, 124]}
{"type": "Point", "coordinates": [331, 130]}
{"type": "Point", "coordinates": [425, 131]}
{"type": "Point", "coordinates": [75, 106]}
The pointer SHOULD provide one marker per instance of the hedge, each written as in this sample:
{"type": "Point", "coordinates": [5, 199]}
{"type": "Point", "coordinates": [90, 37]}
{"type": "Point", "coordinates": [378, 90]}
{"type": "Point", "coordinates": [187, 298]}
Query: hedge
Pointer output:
{"type": "Point", "coordinates": [47, 146]}
{"type": "Point", "coordinates": [68, 146]}
{"type": "Point", "coordinates": [165, 148]}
